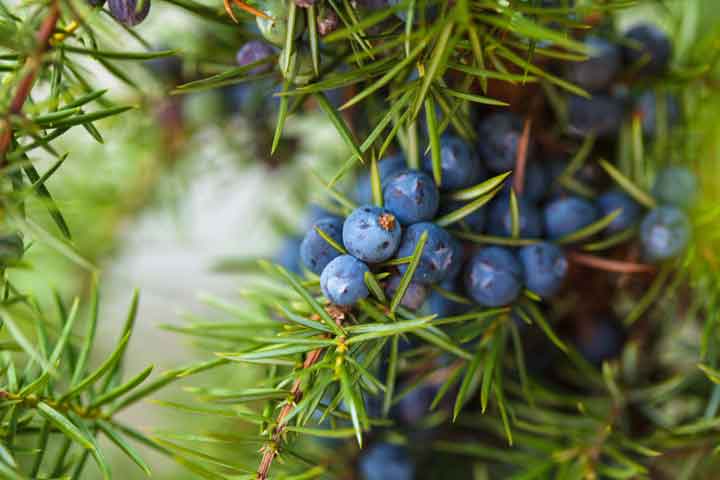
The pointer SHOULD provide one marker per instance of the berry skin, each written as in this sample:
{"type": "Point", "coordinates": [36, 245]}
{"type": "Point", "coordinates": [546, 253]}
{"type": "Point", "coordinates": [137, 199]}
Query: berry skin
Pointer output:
{"type": "Point", "coordinates": [597, 72]}
{"type": "Point", "coordinates": [567, 215]}
{"type": "Point", "coordinates": [440, 257]}
{"type": "Point", "coordinates": [500, 135]}
{"type": "Point", "coordinates": [343, 280]}
{"type": "Point", "coordinates": [125, 11]}
{"type": "Point", "coordinates": [11, 248]}
{"type": "Point", "coordinates": [536, 182]}
{"type": "Point", "coordinates": [460, 165]}
{"type": "Point", "coordinates": [412, 196]}
{"type": "Point", "coordinates": [494, 277]}
{"type": "Point", "coordinates": [315, 252]}
{"type": "Point", "coordinates": [664, 232]}
{"type": "Point", "coordinates": [387, 167]}
{"type": "Point", "coordinates": [500, 217]}
{"type": "Point", "coordinates": [274, 29]}
{"type": "Point", "coordinates": [647, 46]}
{"type": "Point", "coordinates": [646, 108]}
{"type": "Point", "coordinates": [440, 305]}
{"type": "Point", "coordinates": [371, 234]}
{"type": "Point", "coordinates": [600, 341]}
{"type": "Point", "coordinates": [615, 199]}
{"type": "Point", "coordinates": [676, 186]}
{"type": "Point", "coordinates": [288, 255]}
{"type": "Point", "coordinates": [252, 52]}
{"type": "Point", "coordinates": [386, 461]}
{"type": "Point", "coordinates": [545, 268]}
{"type": "Point", "coordinates": [600, 115]}
{"type": "Point", "coordinates": [415, 294]}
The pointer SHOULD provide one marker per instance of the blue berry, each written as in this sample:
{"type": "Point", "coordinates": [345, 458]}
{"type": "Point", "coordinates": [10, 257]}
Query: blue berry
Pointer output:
{"type": "Point", "coordinates": [494, 277]}
{"type": "Point", "coordinates": [440, 256]}
{"type": "Point", "coordinates": [315, 252]}
{"type": "Point", "coordinates": [126, 12]}
{"type": "Point", "coordinates": [664, 232]}
{"type": "Point", "coordinates": [615, 199]}
{"type": "Point", "coordinates": [442, 306]}
{"type": "Point", "coordinates": [500, 135]}
{"type": "Point", "coordinates": [343, 280]}
{"type": "Point", "coordinates": [646, 107]}
{"type": "Point", "coordinates": [387, 167]}
{"type": "Point", "coordinates": [536, 182]}
{"type": "Point", "coordinates": [545, 268]}
{"type": "Point", "coordinates": [386, 461]}
{"type": "Point", "coordinates": [597, 72]}
{"type": "Point", "coordinates": [600, 115]}
{"type": "Point", "coordinates": [529, 219]}
{"type": "Point", "coordinates": [252, 52]}
{"type": "Point", "coordinates": [676, 186]}
{"type": "Point", "coordinates": [415, 405]}
{"type": "Point", "coordinates": [567, 215]}
{"type": "Point", "coordinates": [169, 69]}
{"type": "Point", "coordinates": [371, 234]}
{"type": "Point", "coordinates": [288, 255]}
{"type": "Point", "coordinates": [412, 196]}
{"type": "Point", "coordinates": [415, 294]}
{"type": "Point", "coordinates": [648, 46]}
{"type": "Point", "coordinates": [460, 165]}
{"type": "Point", "coordinates": [274, 29]}
{"type": "Point", "coordinates": [600, 341]}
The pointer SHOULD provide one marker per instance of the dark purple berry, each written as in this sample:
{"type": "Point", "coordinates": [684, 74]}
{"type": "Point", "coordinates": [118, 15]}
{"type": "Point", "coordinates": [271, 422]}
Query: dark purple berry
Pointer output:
{"type": "Point", "coordinates": [414, 296]}
{"type": "Point", "coordinates": [253, 52]}
{"type": "Point", "coordinates": [600, 115]}
{"type": "Point", "coordinates": [499, 137]}
{"type": "Point", "coordinates": [600, 341]}
{"type": "Point", "coordinates": [129, 12]}
{"type": "Point", "coordinates": [648, 47]}
{"type": "Point", "coordinates": [545, 268]}
{"type": "Point", "coordinates": [459, 164]}
{"type": "Point", "coordinates": [597, 72]}
{"type": "Point", "coordinates": [386, 461]}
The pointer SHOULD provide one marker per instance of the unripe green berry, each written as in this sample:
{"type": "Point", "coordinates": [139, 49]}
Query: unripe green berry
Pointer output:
{"type": "Point", "coordinates": [300, 67]}
{"type": "Point", "coordinates": [275, 29]}
{"type": "Point", "coordinates": [11, 248]}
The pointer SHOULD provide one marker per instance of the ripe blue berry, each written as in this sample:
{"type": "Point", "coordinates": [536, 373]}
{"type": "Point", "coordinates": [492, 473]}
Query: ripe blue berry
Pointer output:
{"type": "Point", "coordinates": [371, 234]}
{"type": "Point", "coordinates": [500, 135]}
{"type": "Point", "coordinates": [600, 115]}
{"type": "Point", "coordinates": [676, 186]}
{"type": "Point", "coordinates": [252, 52]}
{"type": "Point", "coordinates": [664, 232]}
{"type": "Point", "coordinates": [288, 255]}
{"type": "Point", "coordinates": [536, 182]}
{"type": "Point", "coordinates": [412, 196]}
{"type": "Point", "coordinates": [315, 252]}
{"type": "Point", "coordinates": [494, 277]}
{"type": "Point", "coordinates": [387, 167]}
{"type": "Point", "coordinates": [615, 199]}
{"type": "Point", "coordinates": [415, 294]}
{"type": "Point", "coordinates": [567, 215]}
{"type": "Point", "coordinates": [386, 461]}
{"type": "Point", "coordinates": [126, 11]}
{"type": "Point", "coordinates": [440, 256]}
{"type": "Point", "coordinates": [649, 47]}
{"type": "Point", "coordinates": [274, 29]}
{"type": "Point", "coordinates": [646, 108]}
{"type": "Point", "coordinates": [599, 341]}
{"type": "Point", "coordinates": [442, 306]}
{"type": "Point", "coordinates": [343, 280]}
{"type": "Point", "coordinates": [545, 268]}
{"type": "Point", "coordinates": [529, 219]}
{"type": "Point", "coordinates": [597, 72]}
{"type": "Point", "coordinates": [460, 165]}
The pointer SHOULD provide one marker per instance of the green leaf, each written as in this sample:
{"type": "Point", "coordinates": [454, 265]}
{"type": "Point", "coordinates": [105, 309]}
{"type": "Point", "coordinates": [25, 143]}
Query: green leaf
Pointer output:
{"type": "Point", "coordinates": [409, 273]}
{"type": "Point", "coordinates": [339, 124]}
{"type": "Point", "coordinates": [48, 200]}
{"type": "Point", "coordinates": [64, 425]}
{"type": "Point", "coordinates": [590, 230]}
{"type": "Point", "coordinates": [376, 183]}
{"type": "Point", "coordinates": [107, 365]}
{"type": "Point", "coordinates": [89, 337]}
{"type": "Point", "coordinates": [123, 445]}
{"type": "Point", "coordinates": [481, 189]}
{"type": "Point", "coordinates": [16, 333]}
{"type": "Point", "coordinates": [469, 379]}
{"type": "Point", "coordinates": [122, 389]}
{"type": "Point", "coordinates": [434, 137]}
{"type": "Point", "coordinates": [375, 287]}
{"type": "Point", "coordinates": [331, 241]}
{"type": "Point", "coordinates": [370, 331]}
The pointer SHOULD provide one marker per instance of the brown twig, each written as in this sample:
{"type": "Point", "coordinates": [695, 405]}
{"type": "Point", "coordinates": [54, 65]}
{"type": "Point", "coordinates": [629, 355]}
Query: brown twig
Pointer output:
{"type": "Point", "coordinates": [521, 160]}
{"type": "Point", "coordinates": [270, 451]}
{"type": "Point", "coordinates": [618, 266]}
{"type": "Point", "coordinates": [32, 65]}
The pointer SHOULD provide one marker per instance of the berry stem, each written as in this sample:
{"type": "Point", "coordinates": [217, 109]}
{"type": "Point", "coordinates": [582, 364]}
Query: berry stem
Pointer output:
{"type": "Point", "coordinates": [32, 65]}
